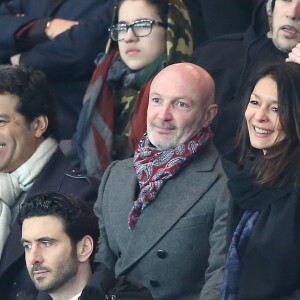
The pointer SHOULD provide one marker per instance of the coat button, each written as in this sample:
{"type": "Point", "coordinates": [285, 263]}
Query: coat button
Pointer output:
{"type": "Point", "coordinates": [162, 254]}
{"type": "Point", "coordinates": [154, 283]}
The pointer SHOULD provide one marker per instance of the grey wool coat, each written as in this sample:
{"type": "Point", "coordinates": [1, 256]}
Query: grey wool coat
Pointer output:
{"type": "Point", "coordinates": [177, 248]}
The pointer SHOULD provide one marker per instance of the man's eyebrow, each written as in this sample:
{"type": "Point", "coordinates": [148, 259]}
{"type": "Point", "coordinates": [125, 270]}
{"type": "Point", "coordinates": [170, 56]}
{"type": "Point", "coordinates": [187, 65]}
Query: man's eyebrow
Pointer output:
{"type": "Point", "coordinates": [23, 240]}
{"type": "Point", "coordinates": [45, 238]}
{"type": "Point", "coordinates": [40, 239]}
{"type": "Point", "coordinates": [155, 94]}
{"type": "Point", "coordinates": [5, 116]}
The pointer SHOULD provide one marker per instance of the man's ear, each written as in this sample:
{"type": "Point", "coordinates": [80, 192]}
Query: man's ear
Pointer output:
{"type": "Point", "coordinates": [210, 114]}
{"type": "Point", "coordinates": [85, 248]}
{"type": "Point", "coordinates": [39, 125]}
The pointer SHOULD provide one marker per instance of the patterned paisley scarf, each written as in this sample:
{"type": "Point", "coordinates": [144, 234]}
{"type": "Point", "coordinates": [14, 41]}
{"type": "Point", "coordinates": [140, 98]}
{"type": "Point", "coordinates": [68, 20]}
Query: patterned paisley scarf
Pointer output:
{"type": "Point", "coordinates": [153, 167]}
{"type": "Point", "coordinates": [94, 138]}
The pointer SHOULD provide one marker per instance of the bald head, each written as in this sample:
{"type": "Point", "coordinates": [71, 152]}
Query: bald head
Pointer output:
{"type": "Point", "coordinates": [193, 79]}
{"type": "Point", "coordinates": [181, 103]}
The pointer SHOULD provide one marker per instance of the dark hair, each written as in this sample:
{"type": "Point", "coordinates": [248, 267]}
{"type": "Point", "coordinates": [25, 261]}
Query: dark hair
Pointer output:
{"type": "Point", "coordinates": [161, 5]}
{"type": "Point", "coordinates": [77, 216]}
{"type": "Point", "coordinates": [278, 164]}
{"type": "Point", "coordinates": [33, 92]}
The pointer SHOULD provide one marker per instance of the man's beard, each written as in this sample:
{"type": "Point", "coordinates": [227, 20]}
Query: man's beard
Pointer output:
{"type": "Point", "coordinates": [276, 41]}
{"type": "Point", "coordinates": [61, 275]}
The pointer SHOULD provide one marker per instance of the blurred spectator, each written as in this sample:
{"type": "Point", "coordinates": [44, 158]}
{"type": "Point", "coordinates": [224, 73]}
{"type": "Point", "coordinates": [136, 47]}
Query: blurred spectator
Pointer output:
{"type": "Point", "coordinates": [61, 38]}
{"type": "Point", "coordinates": [212, 18]}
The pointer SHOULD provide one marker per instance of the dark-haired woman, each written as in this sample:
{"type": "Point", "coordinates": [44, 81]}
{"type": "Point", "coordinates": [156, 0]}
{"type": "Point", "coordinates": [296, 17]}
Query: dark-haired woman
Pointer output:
{"type": "Point", "coordinates": [263, 260]}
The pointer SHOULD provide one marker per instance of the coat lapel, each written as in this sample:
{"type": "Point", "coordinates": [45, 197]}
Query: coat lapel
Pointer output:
{"type": "Point", "coordinates": [13, 242]}
{"type": "Point", "coordinates": [176, 197]}
{"type": "Point", "coordinates": [52, 174]}
{"type": "Point", "coordinates": [45, 181]}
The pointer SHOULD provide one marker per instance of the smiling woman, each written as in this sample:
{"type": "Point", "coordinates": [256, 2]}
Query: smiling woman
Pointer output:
{"type": "Point", "coordinates": [262, 118]}
{"type": "Point", "coordinates": [264, 182]}
{"type": "Point", "coordinates": [145, 36]}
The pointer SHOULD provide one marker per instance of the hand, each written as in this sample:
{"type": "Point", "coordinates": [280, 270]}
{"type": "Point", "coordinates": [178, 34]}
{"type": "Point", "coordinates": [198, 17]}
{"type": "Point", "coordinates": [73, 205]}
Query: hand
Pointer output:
{"type": "Point", "coordinates": [294, 55]}
{"type": "Point", "coordinates": [58, 26]}
{"type": "Point", "coordinates": [15, 59]}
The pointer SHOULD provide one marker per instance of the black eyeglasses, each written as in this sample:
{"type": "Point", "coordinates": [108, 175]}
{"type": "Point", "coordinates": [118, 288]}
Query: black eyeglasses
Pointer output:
{"type": "Point", "coordinates": [140, 27]}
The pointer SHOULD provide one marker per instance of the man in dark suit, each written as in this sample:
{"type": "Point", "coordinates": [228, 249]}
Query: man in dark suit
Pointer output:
{"type": "Point", "coordinates": [60, 234]}
{"type": "Point", "coordinates": [60, 37]}
{"type": "Point", "coordinates": [162, 213]}
{"type": "Point", "coordinates": [30, 162]}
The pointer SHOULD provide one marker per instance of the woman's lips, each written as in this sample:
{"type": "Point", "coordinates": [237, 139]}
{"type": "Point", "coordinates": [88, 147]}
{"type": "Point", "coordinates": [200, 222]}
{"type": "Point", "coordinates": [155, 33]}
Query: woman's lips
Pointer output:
{"type": "Point", "coordinates": [132, 51]}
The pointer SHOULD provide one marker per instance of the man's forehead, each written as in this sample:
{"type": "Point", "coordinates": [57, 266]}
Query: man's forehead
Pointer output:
{"type": "Point", "coordinates": [172, 82]}
{"type": "Point", "coordinates": [43, 225]}
{"type": "Point", "coordinates": [193, 94]}
{"type": "Point", "coordinates": [8, 103]}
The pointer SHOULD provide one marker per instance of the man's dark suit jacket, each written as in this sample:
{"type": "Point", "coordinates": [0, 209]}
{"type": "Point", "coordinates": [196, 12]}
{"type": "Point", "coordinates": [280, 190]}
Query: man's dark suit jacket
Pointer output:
{"type": "Point", "coordinates": [68, 59]}
{"type": "Point", "coordinates": [57, 176]}
{"type": "Point", "coordinates": [212, 18]}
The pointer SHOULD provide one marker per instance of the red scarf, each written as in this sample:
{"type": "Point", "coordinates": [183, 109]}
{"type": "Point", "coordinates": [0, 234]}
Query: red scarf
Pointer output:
{"type": "Point", "coordinates": [95, 126]}
{"type": "Point", "coordinates": [153, 167]}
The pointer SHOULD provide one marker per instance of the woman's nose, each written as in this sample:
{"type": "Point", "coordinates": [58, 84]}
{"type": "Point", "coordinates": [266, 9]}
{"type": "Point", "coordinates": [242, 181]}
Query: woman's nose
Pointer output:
{"type": "Point", "coordinates": [130, 36]}
{"type": "Point", "coordinates": [261, 114]}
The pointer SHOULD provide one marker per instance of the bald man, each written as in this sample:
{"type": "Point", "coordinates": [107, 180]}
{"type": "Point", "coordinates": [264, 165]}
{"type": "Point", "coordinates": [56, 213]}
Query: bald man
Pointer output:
{"type": "Point", "coordinates": [163, 212]}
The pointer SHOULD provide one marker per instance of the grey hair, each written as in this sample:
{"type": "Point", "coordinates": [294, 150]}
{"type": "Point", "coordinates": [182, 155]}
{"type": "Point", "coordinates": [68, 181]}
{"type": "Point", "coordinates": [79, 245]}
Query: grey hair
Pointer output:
{"type": "Point", "coordinates": [270, 7]}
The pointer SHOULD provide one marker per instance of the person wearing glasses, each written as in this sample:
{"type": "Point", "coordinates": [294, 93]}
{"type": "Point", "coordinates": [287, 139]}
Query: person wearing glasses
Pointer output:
{"type": "Point", "coordinates": [145, 36]}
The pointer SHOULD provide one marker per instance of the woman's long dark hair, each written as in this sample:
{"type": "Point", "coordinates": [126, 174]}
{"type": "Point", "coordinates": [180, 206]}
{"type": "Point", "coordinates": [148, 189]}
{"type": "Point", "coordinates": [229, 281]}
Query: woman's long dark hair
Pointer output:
{"type": "Point", "coordinates": [279, 164]}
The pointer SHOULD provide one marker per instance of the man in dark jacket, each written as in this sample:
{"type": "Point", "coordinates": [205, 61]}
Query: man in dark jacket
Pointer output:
{"type": "Point", "coordinates": [232, 59]}
{"type": "Point", "coordinates": [30, 162]}
{"type": "Point", "coordinates": [212, 18]}
{"type": "Point", "coordinates": [61, 38]}
{"type": "Point", "coordinates": [60, 234]}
